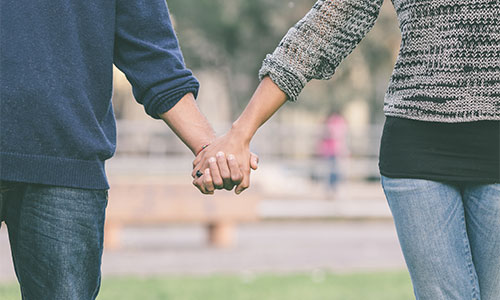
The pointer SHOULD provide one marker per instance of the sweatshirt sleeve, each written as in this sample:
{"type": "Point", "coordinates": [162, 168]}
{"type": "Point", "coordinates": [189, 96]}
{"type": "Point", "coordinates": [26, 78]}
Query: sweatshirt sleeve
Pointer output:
{"type": "Point", "coordinates": [147, 51]}
{"type": "Point", "coordinates": [317, 44]}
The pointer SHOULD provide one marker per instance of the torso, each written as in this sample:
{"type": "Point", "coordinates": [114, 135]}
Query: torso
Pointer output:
{"type": "Point", "coordinates": [441, 151]}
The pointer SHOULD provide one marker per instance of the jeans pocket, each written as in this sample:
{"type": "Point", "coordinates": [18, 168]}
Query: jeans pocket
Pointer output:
{"type": "Point", "coordinates": [101, 194]}
{"type": "Point", "coordinates": [4, 188]}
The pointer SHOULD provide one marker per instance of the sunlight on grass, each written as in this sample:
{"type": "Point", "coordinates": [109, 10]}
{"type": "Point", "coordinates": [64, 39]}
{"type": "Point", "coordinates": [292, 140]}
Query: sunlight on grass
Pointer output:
{"type": "Point", "coordinates": [315, 286]}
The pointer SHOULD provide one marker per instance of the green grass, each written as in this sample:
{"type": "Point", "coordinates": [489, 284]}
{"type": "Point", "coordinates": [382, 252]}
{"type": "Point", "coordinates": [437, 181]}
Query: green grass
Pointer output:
{"type": "Point", "coordinates": [316, 286]}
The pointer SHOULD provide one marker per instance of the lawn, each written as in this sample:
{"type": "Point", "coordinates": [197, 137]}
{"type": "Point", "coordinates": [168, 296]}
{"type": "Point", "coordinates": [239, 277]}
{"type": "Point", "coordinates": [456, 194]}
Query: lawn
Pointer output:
{"type": "Point", "coordinates": [314, 286]}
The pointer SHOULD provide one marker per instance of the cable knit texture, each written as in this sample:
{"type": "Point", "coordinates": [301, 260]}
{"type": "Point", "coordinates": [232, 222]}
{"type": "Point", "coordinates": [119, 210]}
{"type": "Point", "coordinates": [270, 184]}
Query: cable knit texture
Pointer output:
{"type": "Point", "coordinates": [448, 68]}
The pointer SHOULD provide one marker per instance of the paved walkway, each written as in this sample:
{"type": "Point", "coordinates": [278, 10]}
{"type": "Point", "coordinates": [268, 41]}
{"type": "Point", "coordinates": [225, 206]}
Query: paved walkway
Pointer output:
{"type": "Point", "coordinates": [281, 243]}
{"type": "Point", "coordinates": [339, 246]}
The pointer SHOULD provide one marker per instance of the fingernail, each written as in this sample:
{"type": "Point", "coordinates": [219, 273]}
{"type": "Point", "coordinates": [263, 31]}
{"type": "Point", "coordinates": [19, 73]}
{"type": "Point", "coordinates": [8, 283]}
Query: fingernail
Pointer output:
{"type": "Point", "coordinates": [220, 154]}
{"type": "Point", "coordinates": [207, 171]}
{"type": "Point", "coordinates": [230, 157]}
{"type": "Point", "coordinates": [212, 159]}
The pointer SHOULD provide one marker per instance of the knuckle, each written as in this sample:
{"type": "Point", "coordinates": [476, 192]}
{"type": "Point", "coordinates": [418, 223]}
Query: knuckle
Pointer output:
{"type": "Point", "coordinates": [237, 181]}
{"type": "Point", "coordinates": [236, 176]}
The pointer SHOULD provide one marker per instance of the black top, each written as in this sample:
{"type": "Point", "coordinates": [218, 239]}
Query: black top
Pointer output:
{"type": "Point", "coordinates": [441, 151]}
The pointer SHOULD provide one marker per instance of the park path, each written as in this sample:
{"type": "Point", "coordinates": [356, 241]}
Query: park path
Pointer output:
{"type": "Point", "coordinates": [302, 231]}
{"type": "Point", "coordinates": [284, 246]}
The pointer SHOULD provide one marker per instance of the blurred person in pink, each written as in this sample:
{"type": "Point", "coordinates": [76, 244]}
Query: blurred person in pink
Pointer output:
{"type": "Point", "coordinates": [333, 147]}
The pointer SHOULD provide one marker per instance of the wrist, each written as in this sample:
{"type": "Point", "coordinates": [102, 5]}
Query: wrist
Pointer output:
{"type": "Point", "coordinates": [199, 150]}
{"type": "Point", "coordinates": [241, 132]}
{"type": "Point", "coordinates": [203, 143]}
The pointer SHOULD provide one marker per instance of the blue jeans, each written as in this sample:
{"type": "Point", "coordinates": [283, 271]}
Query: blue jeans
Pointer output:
{"type": "Point", "coordinates": [450, 237]}
{"type": "Point", "coordinates": [56, 237]}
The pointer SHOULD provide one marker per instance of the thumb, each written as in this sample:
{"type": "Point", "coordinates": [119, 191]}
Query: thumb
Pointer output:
{"type": "Point", "coordinates": [254, 161]}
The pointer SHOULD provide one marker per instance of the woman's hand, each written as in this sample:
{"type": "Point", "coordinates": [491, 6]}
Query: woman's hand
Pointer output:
{"type": "Point", "coordinates": [218, 173]}
{"type": "Point", "coordinates": [226, 162]}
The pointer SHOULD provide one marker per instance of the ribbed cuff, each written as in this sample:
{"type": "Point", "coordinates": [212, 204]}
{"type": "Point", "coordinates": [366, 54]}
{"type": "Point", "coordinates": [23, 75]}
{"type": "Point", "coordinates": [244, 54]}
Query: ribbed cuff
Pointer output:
{"type": "Point", "coordinates": [291, 83]}
{"type": "Point", "coordinates": [166, 103]}
{"type": "Point", "coordinates": [58, 171]}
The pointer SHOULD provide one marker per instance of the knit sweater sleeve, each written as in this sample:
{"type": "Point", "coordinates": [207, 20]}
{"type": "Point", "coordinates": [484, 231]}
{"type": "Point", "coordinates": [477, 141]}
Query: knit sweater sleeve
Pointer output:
{"type": "Point", "coordinates": [317, 44]}
{"type": "Point", "coordinates": [146, 49]}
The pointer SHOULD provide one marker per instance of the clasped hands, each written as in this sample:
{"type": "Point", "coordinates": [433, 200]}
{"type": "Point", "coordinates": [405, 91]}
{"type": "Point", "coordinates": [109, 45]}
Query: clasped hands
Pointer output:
{"type": "Point", "coordinates": [224, 164]}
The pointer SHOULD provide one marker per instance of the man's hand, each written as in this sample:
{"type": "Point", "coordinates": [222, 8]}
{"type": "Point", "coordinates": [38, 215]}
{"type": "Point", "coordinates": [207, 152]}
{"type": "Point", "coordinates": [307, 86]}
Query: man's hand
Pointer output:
{"type": "Point", "coordinates": [193, 129]}
{"type": "Point", "coordinates": [221, 171]}
{"type": "Point", "coordinates": [266, 100]}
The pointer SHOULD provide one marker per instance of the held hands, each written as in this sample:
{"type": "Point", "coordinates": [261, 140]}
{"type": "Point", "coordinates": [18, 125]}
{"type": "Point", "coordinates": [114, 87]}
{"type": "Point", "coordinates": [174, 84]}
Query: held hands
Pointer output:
{"type": "Point", "coordinates": [225, 163]}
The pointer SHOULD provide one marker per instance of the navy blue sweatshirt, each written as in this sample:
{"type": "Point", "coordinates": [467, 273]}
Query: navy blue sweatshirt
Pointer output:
{"type": "Point", "coordinates": [57, 125]}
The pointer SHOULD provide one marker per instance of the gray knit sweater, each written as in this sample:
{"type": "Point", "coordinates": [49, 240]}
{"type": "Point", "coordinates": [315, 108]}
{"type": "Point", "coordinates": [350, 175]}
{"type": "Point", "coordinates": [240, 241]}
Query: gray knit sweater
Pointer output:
{"type": "Point", "coordinates": [448, 68]}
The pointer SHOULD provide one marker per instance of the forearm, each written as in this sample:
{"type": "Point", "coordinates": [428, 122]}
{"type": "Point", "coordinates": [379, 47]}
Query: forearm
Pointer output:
{"type": "Point", "coordinates": [318, 43]}
{"type": "Point", "coordinates": [189, 124]}
{"type": "Point", "coordinates": [266, 100]}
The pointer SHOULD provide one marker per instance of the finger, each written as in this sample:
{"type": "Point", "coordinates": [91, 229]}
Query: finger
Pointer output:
{"type": "Point", "coordinates": [254, 161]}
{"type": "Point", "coordinates": [197, 182]}
{"type": "Point", "coordinates": [196, 173]}
{"type": "Point", "coordinates": [207, 182]}
{"type": "Point", "coordinates": [225, 173]}
{"type": "Point", "coordinates": [245, 183]}
{"type": "Point", "coordinates": [201, 165]}
{"type": "Point", "coordinates": [195, 169]}
{"type": "Point", "coordinates": [214, 172]}
{"type": "Point", "coordinates": [223, 167]}
{"type": "Point", "coordinates": [234, 167]}
{"type": "Point", "coordinates": [197, 160]}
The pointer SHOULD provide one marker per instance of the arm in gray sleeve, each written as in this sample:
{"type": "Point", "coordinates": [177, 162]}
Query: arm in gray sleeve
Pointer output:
{"type": "Point", "coordinates": [317, 44]}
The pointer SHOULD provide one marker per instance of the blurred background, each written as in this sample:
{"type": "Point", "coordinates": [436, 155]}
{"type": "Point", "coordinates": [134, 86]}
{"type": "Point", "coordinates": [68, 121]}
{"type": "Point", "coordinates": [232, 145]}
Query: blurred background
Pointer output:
{"type": "Point", "coordinates": [313, 225]}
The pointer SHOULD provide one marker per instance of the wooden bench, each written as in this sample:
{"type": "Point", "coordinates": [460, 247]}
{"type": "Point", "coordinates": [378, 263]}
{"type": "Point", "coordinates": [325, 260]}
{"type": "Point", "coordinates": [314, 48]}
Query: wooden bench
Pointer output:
{"type": "Point", "coordinates": [155, 201]}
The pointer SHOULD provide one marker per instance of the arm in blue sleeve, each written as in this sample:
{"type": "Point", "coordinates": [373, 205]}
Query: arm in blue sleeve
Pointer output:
{"type": "Point", "coordinates": [147, 51]}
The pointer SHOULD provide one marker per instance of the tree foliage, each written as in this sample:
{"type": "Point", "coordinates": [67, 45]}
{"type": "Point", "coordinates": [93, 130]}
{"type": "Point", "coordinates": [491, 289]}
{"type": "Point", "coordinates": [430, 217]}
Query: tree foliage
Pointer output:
{"type": "Point", "coordinates": [233, 37]}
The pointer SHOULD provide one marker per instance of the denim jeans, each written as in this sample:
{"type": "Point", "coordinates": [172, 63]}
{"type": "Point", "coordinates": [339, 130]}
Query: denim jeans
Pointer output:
{"type": "Point", "coordinates": [450, 237]}
{"type": "Point", "coordinates": [56, 237]}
